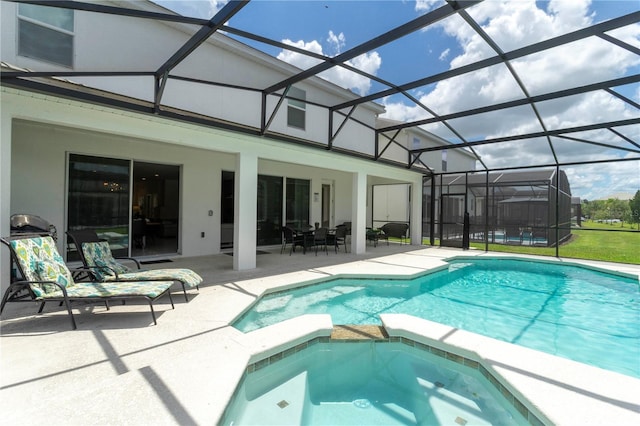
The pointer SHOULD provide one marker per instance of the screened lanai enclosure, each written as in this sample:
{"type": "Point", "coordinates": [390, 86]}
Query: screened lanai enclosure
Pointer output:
{"type": "Point", "coordinates": [518, 111]}
{"type": "Point", "coordinates": [521, 208]}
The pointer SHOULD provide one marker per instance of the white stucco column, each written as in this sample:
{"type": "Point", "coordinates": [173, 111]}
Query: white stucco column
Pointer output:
{"type": "Point", "coordinates": [416, 213]}
{"type": "Point", "coordinates": [359, 213]}
{"type": "Point", "coordinates": [245, 211]}
{"type": "Point", "coordinates": [5, 190]}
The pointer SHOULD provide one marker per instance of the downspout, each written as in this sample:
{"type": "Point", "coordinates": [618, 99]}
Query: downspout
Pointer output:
{"type": "Point", "coordinates": [432, 211]}
{"type": "Point", "coordinates": [557, 210]}
{"type": "Point", "coordinates": [486, 212]}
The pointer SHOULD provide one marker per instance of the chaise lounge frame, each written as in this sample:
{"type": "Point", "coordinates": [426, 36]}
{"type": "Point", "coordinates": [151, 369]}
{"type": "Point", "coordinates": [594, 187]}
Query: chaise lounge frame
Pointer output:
{"type": "Point", "coordinates": [90, 246]}
{"type": "Point", "coordinates": [24, 290]}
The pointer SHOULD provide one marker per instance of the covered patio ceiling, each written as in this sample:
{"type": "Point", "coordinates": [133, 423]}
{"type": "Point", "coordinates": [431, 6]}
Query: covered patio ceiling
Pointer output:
{"type": "Point", "coordinates": [607, 140]}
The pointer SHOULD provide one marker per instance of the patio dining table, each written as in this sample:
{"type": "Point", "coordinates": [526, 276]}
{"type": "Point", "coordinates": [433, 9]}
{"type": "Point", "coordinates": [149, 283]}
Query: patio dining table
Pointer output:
{"type": "Point", "coordinates": [308, 237]}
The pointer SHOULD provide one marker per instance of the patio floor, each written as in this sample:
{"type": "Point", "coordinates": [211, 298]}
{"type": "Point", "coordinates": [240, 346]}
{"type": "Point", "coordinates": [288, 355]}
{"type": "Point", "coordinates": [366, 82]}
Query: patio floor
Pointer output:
{"type": "Point", "coordinates": [118, 368]}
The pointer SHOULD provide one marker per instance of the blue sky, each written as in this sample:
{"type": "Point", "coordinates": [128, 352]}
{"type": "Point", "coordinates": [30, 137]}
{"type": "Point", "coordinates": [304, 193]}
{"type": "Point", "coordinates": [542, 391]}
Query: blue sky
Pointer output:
{"type": "Point", "coordinates": [331, 27]}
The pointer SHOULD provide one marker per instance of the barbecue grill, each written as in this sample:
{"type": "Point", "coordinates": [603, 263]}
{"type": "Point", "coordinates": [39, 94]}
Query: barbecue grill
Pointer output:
{"type": "Point", "coordinates": [29, 224]}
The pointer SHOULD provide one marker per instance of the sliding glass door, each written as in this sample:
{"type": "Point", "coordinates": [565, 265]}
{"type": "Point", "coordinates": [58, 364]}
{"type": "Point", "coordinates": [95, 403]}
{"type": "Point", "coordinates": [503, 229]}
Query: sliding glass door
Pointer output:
{"type": "Point", "coordinates": [298, 201]}
{"type": "Point", "coordinates": [227, 209]}
{"type": "Point", "coordinates": [155, 209]}
{"type": "Point", "coordinates": [269, 210]}
{"type": "Point", "coordinates": [99, 199]}
{"type": "Point", "coordinates": [270, 207]}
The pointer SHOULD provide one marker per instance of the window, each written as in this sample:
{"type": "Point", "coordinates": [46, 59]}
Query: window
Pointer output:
{"type": "Point", "coordinates": [416, 143]}
{"type": "Point", "coordinates": [296, 110]}
{"type": "Point", "coordinates": [45, 33]}
{"type": "Point", "coordinates": [444, 160]}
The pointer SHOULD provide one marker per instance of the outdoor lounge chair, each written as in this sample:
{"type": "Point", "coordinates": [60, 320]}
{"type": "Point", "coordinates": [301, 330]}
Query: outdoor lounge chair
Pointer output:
{"type": "Point", "coordinates": [46, 278]}
{"type": "Point", "coordinates": [394, 230]}
{"type": "Point", "coordinates": [81, 236]}
{"type": "Point", "coordinates": [99, 261]}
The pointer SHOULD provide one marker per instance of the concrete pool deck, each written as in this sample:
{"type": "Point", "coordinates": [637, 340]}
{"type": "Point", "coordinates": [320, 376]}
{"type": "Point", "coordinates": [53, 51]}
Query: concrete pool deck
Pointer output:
{"type": "Point", "coordinates": [118, 368]}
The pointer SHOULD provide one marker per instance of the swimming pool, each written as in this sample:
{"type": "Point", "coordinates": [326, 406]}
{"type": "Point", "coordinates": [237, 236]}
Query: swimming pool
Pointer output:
{"type": "Point", "coordinates": [369, 383]}
{"type": "Point", "coordinates": [570, 311]}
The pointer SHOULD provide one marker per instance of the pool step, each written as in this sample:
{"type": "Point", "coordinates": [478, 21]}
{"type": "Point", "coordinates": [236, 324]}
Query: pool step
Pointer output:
{"type": "Point", "coordinates": [359, 332]}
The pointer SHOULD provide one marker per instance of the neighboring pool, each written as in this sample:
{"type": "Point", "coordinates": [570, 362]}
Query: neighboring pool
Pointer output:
{"type": "Point", "coordinates": [370, 383]}
{"type": "Point", "coordinates": [574, 312]}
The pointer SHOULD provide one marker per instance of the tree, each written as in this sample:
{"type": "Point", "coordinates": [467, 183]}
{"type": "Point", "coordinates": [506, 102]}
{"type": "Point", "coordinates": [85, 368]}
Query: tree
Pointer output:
{"type": "Point", "coordinates": [634, 205]}
{"type": "Point", "coordinates": [608, 210]}
{"type": "Point", "coordinates": [587, 209]}
{"type": "Point", "coordinates": [617, 209]}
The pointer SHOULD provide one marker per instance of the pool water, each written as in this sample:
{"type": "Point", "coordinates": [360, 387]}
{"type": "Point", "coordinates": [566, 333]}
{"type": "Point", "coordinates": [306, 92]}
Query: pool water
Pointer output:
{"type": "Point", "coordinates": [368, 383]}
{"type": "Point", "coordinates": [577, 313]}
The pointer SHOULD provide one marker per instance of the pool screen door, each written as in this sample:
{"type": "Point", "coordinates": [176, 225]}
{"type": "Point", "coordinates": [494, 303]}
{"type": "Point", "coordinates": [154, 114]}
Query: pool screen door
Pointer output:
{"type": "Point", "coordinates": [451, 218]}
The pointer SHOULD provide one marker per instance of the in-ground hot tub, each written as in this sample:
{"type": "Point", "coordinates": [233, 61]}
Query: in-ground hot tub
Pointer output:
{"type": "Point", "coordinates": [397, 381]}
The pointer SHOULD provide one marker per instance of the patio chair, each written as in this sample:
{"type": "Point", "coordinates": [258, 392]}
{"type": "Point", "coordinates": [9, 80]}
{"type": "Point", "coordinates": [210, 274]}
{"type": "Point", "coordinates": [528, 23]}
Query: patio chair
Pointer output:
{"type": "Point", "coordinates": [320, 239]}
{"type": "Point", "coordinates": [539, 236]}
{"type": "Point", "coordinates": [81, 236]}
{"type": "Point", "coordinates": [46, 278]}
{"type": "Point", "coordinates": [290, 236]}
{"type": "Point", "coordinates": [347, 225]}
{"type": "Point", "coordinates": [99, 261]}
{"type": "Point", "coordinates": [394, 230]}
{"type": "Point", "coordinates": [139, 233]}
{"type": "Point", "coordinates": [512, 235]}
{"type": "Point", "coordinates": [340, 238]}
{"type": "Point", "coordinates": [373, 235]}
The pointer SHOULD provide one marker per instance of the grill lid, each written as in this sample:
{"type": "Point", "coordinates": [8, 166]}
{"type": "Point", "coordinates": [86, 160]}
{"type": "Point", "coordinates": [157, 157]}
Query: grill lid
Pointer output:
{"type": "Point", "coordinates": [31, 224]}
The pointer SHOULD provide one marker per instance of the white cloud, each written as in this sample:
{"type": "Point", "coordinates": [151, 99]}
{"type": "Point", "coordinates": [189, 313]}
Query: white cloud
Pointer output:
{"type": "Point", "coordinates": [513, 24]}
{"type": "Point", "coordinates": [444, 54]}
{"type": "Point", "coordinates": [590, 183]}
{"type": "Point", "coordinates": [297, 59]}
{"type": "Point", "coordinates": [337, 41]}
{"type": "Point", "coordinates": [214, 6]}
{"type": "Point", "coordinates": [427, 5]}
{"type": "Point", "coordinates": [204, 9]}
{"type": "Point", "coordinates": [556, 114]}
{"type": "Point", "coordinates": [369, 62]}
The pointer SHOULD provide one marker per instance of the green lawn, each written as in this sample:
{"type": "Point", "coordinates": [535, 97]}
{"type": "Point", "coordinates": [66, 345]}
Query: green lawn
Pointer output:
{"type": "Point", "coordinates": [589, 224]}
{"type": "Point", "coordinates": [622, 247]}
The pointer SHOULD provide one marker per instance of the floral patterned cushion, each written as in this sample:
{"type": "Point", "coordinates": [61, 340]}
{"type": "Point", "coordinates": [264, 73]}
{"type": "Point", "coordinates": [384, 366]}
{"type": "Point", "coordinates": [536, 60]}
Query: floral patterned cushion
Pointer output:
{"type": "Point", "coordinates": [150, 289]}
{"type": "Point", "coordinates": [39, 260]}
{"type": "Point", "coordinates": [51, 271]}
{"type": "Point", "coordinates": [186, 276]}
{"type": "Point", "coordinates": [99, 255]}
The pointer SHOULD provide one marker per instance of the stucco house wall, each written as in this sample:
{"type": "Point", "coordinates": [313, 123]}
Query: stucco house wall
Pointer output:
{"type": "Point", "coordinates": [416, 138]}
{"type": "Point", "coordinates": [39, 130]}
{"type": "Point", "coordinates": [104, 42]}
